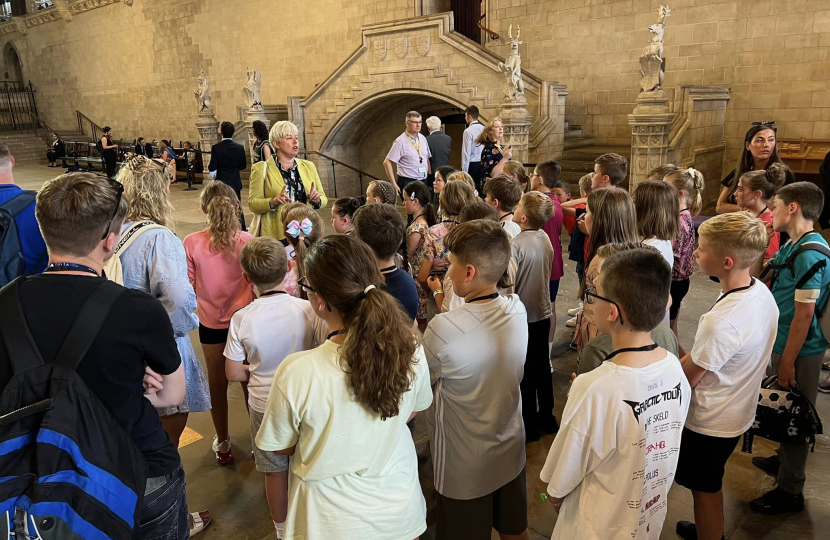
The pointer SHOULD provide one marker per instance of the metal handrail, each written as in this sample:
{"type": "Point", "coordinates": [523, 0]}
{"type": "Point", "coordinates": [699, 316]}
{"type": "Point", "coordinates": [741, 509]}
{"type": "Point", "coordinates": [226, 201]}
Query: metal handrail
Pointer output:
{"type": "Point", "coordinates": [493, 36]}
{"type": "Point", "coordinates": [42, 124]}
{"type": "Point", "coordinates": [334, 162]}
{"type": "Point", "coordinates": [96, 131]}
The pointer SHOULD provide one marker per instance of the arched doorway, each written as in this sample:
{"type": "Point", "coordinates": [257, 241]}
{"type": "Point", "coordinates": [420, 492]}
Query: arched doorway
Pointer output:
{"type": "Point", "coordinates": [11, 61]}
{"type": "Point", "coordinates": [362, 137]}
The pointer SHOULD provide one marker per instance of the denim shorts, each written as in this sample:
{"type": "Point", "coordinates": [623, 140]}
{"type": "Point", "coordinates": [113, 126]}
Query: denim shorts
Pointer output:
{"type": "Point", "coordinates": [164, 513]}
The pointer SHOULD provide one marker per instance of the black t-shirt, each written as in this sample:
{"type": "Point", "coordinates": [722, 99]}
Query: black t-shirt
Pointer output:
{"type": "Point", "coordinates": [137, 333]}
{"type": "Point", "coordinates": [400, 285]}
{"type": "Point", "coordinates": [576, 248]}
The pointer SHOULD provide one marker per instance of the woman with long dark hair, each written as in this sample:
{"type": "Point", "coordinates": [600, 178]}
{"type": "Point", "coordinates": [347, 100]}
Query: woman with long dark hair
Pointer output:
{"type": "Point", "coordinates": [262, 146]}
{"type": "Point", "coordinates": [341, 409]}
{"type": "Point", "coordinates": [109, 152]}
{"type": "Point", "coordinates": [759, 152]}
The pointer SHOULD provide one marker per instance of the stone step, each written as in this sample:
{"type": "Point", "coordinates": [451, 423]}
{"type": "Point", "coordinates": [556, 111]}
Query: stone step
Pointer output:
{"type": "Point", "coordinates": [585, 166]}
{"type": "Point", "coordinates": [586, 153]}
{"type": "Point", "coordinates": [573, 134]}
{"type": "Point", "coordinates": [572, 177]}
{"type": "Point", "coordinates": [580, 142]}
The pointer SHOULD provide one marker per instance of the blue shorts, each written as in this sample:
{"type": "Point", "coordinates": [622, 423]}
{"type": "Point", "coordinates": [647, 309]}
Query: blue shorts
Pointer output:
{"type": "Point", "coordinates": [554, 289]}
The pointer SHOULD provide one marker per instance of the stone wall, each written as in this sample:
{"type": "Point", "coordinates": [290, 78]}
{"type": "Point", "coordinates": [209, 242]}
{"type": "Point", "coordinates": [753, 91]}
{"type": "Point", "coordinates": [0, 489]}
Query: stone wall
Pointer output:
{"type": "Point", "coordinates": [135, 67]}
{"type": "Point", "coordinates": [774, 55]}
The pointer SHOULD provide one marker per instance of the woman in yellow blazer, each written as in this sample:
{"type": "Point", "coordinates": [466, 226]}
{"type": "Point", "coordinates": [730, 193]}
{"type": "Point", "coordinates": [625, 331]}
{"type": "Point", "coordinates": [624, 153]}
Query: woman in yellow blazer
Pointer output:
{"type": "Point", "coordinates": [283, 179]}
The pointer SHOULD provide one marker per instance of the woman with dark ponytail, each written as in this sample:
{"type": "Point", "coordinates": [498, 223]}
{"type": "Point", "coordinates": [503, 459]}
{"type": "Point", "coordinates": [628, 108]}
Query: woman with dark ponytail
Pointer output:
{"type": "Point", "coordinates": [341, 409]}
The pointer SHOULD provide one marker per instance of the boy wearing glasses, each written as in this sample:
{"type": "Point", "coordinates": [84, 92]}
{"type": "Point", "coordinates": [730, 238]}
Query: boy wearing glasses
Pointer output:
{"type": "Point", "coordinates": [618, 444]}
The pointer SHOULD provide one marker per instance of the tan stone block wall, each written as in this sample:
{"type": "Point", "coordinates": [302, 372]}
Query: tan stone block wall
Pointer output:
{"type": "Point", "coordinates": [773, 54]}
{"type": "Point", "coordinates": [135, 67]}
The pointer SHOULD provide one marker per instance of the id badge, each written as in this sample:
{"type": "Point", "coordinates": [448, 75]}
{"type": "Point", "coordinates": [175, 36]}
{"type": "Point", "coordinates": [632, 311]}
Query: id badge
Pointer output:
{"type": "Point", "coordinates": [422, 170]}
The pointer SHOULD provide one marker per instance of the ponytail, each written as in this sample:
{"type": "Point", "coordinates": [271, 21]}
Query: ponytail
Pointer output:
{"type": "Point", "coordinates": [690, 182]}
{"type": "Point", "coordinates": [219, 202]}
{"type": "Point", "coordinates": [420, 192]}
{"type": "Point", "coordinates": [380, 344]}
{"type": "Point", "coordinates": [302, 229]}
{"type": "Point", "coordinates": [766, 181]}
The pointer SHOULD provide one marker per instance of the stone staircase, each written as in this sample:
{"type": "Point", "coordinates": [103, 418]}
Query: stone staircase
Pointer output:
{"type": "Point", "coordinates": [29, 148]}
{"type": "Point", "coordinates": [579, 155]}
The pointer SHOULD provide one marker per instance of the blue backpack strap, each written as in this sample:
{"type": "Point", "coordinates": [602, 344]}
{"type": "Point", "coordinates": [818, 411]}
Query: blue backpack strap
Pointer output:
{"type": "Point", "coordinates": [19, 202]}
{"type": "Point", "coordinates": [21, 349]}
{"type": "Point", "coordinates": [88, 323]}
{"type": "Point", "coordinates": [809, 246]}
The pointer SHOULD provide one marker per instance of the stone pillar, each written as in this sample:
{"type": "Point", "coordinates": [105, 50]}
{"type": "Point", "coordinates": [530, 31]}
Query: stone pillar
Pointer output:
{"type": "Point", "coordinates": [516, 121]}
{"type": "Point", "coordinates": [254, 114]}
{"type": "Point", "coordinates": [208, 127]}
{"type": "Point", "coordinates": [650, 124]}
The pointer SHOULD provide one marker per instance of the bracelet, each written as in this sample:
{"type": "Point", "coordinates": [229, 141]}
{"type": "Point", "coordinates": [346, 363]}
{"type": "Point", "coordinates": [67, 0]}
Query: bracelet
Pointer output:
{"type": "Point", "coordinates": [436, 292]}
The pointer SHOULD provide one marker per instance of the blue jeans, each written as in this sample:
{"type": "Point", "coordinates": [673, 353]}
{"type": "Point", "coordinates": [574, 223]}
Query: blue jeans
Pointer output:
{"type": "Point", "coordinates": [164, 511]}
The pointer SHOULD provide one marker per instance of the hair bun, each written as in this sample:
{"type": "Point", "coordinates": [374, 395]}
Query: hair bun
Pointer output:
{"type": "Point", "coordinates": [777, 173]}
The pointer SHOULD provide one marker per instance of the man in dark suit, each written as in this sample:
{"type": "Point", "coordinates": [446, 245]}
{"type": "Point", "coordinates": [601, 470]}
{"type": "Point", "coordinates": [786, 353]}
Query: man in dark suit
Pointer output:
{"type": "Point", "coordinates": [143, 149]}
{"type": "Point", "coordinates": [439, 145]}
{"type": "Point", "coordinates": [227, 158]}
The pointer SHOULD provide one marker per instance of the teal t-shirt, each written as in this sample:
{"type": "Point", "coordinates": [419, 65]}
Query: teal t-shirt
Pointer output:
{"type": "Point", "coordinates": [783, 289]}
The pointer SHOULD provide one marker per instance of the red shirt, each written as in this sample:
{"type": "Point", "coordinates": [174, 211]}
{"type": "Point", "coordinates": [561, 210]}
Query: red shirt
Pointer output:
{"type": "Point", "coordinates": [569, 222]}
{"type": "Point", "coordinates": [775, 241]}
{"type": "Point", "coordinates": [553, 228]}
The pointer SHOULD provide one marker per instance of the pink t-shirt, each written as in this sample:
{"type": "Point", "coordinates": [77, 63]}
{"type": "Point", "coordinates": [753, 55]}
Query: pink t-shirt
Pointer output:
{"type": "Point", "coordinates": [554, 230]}
{"type": "Point", "coordinates": [774, 242]}
{"type": "Point", "coordinates": [217, 279]}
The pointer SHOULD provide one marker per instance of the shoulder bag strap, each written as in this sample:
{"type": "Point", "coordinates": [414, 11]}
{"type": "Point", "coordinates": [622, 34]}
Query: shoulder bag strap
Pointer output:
{"type": "Point", "coordinates": [134, 232]}
{"type": "Point", "coordinates": [20, 345]}
{"type": "Point", "coordinates": [19, 202]}
{"type": "Point", "coordinates": [88, 323]}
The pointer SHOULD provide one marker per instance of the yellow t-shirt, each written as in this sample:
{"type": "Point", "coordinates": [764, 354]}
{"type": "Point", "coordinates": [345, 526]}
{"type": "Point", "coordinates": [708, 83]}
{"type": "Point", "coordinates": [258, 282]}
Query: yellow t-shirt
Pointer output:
{"type": "Point", "coordinates": [352, 474]}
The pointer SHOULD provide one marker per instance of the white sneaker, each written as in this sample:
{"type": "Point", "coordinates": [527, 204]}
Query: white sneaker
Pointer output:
{"type": "Point", "coordinates": [571, 323]}
{"type": "Point", "coordinates": [575, 311]}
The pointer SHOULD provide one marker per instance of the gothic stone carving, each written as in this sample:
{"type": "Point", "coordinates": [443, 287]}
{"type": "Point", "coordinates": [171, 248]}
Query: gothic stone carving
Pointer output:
{"type": "Point", "coordinates": [514, 86]}
{"type": "Point", "coordinates": [380, 49]}
{"type": "Point", "coordinates": [401, 47]}
{"type": "Point", "coordinates": [652, 63]}
{"type": "Point", "coordinates": [202, 94]}
{"type": "Point", "coordinates": [423, 44]}
{"type": "Point", "coordinates": [252, 89]}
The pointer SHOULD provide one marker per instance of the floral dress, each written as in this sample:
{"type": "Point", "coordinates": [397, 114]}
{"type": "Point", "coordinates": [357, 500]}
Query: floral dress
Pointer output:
{"type": "Point", "coordinates": [419, 227]}
{"type": "Point", "coordinates": [684, 248]}
{"type": "Point", "coordinates": [491, 155]}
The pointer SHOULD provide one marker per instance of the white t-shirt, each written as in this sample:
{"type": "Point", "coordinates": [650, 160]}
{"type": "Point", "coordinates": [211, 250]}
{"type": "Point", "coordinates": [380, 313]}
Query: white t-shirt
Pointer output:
{"type": "Point", "coordinates": [452, 301]}
{"type": "Point", "coordinates": [266, 331]}
{"type": "Point", "coordinates": [733, 343]}
{"type": "Point", "coordinates": [614, 457]}
{"type": "Point", "coordinates": [664, 246]}
{"type": "Point", "coordinates": [510, 227]}
{"type": "Point", "coordinates": [476, 360]}
{"type": "Point", "coordinates": [352, 474]}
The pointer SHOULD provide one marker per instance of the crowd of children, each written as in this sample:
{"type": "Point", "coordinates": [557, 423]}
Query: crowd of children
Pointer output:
{"type": "Point", "coordinates": [340, 340]}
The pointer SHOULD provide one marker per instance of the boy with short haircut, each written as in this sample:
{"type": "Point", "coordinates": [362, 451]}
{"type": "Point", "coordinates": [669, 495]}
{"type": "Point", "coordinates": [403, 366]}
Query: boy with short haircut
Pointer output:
{"type": "Point", "coordinates": [725, 366]}
{"type": "Point", "coordinates": [609, 170]}
{"type": "Point", "coordinates": [381, 227]}
{"type": "Point", "coordinates": [799, 344]}
{"type": "Point", "coordinates": [533, 253]}
{"type": "Point", "coordinates": [562, 192]}
{"type": "Point", "coordinates": [545, 178]}
{"type": "Point", "coordinates": [611, 466]}
{"type": "Point", "coordinates": [503, 193]}
{"type": "Point", "coordinates": [478, 449]}
{"type": "Point", "coordinates": [264, 333]}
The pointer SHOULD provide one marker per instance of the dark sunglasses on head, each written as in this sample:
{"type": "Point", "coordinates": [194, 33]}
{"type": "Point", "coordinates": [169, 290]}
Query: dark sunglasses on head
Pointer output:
{"type": "Point", "coordinates": [303, 283]}
{"type": "Point", "coordinates": [767, 125]}
{"type": "Point", "coordinates": [590, 297]}
{"type": "Point", "coordinates": [120, 189]}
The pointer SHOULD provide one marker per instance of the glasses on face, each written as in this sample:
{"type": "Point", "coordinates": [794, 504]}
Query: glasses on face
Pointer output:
{"type": "Point", "coordinates": [120, 188]}
{"type": "Point", "coordinates": [413, 122]}
{"type": "Point", "coordinates": [303, 283]}
{"type": "Point", "coordinates": [590, 297]}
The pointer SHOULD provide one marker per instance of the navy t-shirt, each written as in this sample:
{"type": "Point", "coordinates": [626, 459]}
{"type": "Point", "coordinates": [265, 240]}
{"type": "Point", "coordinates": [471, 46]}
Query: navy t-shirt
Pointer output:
{"type": "Point", "coordinates": [401, 285]}
{"type": "Point", "coordinates": [576, 249]}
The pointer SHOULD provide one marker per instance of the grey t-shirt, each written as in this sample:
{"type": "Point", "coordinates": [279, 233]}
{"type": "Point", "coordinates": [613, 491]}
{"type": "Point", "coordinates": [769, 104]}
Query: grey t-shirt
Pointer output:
{"type": "Point", "coordinates": [598, 348]}
{"type": "Point", "coordinates": [533, 253]}
{"type": "Point", "coordinates": [476, 362]}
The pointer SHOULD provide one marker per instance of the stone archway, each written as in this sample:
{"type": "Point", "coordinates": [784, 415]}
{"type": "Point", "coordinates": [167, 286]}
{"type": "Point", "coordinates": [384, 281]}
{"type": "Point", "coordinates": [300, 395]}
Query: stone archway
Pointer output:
{"type": "Point", "coordinates": [420, 59]}
{"type": "Point", "coordinates": [12, 64]}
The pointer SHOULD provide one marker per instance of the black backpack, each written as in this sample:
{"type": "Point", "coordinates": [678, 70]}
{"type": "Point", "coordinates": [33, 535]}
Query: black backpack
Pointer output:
{"type": "Point", "coordinates": [69, 469]}
{"type": "Point", "coordinates": [12, 263]}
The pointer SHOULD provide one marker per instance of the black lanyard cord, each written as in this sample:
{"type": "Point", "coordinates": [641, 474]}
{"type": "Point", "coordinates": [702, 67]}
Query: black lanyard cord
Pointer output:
{"type": "Point", "coordinates": [644, 348]}
{"type": "Point", "coordinates": [335, 333]}
{"type": "Point", "coordinates": [485, 297]}
{"type": "Point", "coordinates": [738, 289]}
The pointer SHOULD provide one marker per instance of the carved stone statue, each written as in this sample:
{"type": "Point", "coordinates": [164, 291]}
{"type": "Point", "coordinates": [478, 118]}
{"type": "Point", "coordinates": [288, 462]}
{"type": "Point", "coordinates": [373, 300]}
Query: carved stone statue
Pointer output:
{"type": "Point", "coordinates": [514, 87]}
{"type": "Point", "coordinates": [252, 86]}
{"type": "Point", "coordinates": [652, 63]}
{"type": "Point", "coordinates": [202, 94]}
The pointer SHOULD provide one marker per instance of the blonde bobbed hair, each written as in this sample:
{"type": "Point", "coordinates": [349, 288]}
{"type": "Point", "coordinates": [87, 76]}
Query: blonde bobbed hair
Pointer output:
{"type": "Point", "coordinates": [281, 130]}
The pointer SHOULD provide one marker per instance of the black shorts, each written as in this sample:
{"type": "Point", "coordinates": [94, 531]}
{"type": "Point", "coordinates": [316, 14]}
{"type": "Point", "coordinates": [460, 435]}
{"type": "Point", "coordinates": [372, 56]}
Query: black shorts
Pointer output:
{"type": "Point", "coordinates": [504, 510]}
{"type": "Point", "coordinates": [212, 336]}
{"type": "Point", "coordinates": [679, 289]}
{"type": "Point", "coordinates": [702, 459]}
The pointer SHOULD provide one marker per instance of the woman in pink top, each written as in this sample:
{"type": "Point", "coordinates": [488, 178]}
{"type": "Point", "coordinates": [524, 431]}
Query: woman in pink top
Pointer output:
{"type": "Point", "coordinates": [216, 275]}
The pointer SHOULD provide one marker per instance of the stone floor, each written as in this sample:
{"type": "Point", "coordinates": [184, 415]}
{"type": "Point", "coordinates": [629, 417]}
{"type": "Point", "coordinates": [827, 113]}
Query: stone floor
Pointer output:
{"type": "Point", "coordinates": [235, 493]}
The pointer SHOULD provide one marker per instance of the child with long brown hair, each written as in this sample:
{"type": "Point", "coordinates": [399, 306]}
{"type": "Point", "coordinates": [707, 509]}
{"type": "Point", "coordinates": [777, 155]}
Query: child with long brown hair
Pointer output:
{"type": "Point", "coordinates": [657, 210]}
{"type": "Point", "coordinates": [216, 275]}
{"type": "Point", "coordinates": [754, 194]}
{"type": "Point", "coordinates": [380, 191]}
{"type": "Point", "coordinates": [689, 184]}
{"type": "Point", "coordinates": [303, 227]}
{"type": "Point", "coordinates": [369, 377]}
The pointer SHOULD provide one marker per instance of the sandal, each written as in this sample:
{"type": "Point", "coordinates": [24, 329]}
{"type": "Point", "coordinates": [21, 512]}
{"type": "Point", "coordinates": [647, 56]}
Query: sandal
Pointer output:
{"type": "Point", "coordinates": [222, 457]}
{"type": "Point", "coordinates": [199, 521]}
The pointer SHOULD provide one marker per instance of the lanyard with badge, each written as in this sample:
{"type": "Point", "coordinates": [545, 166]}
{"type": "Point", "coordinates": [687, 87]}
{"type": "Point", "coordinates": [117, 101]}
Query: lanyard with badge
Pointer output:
{"type": "Point", "coordinates": [421, 169]}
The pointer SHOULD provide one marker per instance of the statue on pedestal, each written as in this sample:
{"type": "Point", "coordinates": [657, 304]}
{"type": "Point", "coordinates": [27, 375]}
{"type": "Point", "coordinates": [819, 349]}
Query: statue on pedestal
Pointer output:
{"type": "Point", "coordinates": [652, 63]}
{"type": "Point", "coordinates": [202, 94]}
{"type": "Point", "coordinates": [514, 87]}
{"type": "Point", "coordinates": [251, 89]}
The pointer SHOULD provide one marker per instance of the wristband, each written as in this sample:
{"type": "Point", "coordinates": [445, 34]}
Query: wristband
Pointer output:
{"type": "Point", "coordinates": [436, 292]}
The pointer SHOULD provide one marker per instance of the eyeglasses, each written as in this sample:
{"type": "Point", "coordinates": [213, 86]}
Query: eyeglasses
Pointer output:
{"type": "Point", "coordinates": [120, 188]}
{"type": "Point", "coordinates": [414, 122]}
{"type": "Point", "coordinates": [303, 283]}
{"type": "Point", "coordinates": [768, 125]}
{"type": "Point", "coordinates": [590, 297]}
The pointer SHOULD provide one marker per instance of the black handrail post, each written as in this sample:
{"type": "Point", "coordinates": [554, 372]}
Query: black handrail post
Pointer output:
{"type": "Point", "coordinates": [34, 101]}
{"type": "Point", "coordinates": [360, 177]}
{"type": "Point", "coordinates": [334, 177]}
{"type": "Point", "coordinates": [11, 109]}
